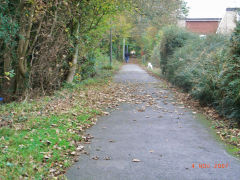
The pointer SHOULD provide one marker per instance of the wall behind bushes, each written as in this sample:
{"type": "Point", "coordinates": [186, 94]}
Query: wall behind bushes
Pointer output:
{"type": "Point", "coordinates": [207, 68]}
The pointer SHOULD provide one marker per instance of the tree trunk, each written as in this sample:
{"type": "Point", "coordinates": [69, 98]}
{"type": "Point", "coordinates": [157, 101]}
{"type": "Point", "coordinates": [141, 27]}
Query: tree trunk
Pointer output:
{"type": "Point", "coordinates": [73, 67]}
{"type": "Point", "coordinates": [123, 49]}
{"type": "Point", "coordinates": [23, 45]}
{"type": "Point", "coordinates": [111, 45]}
{"type": "Point", "coordinates": [119, 52]}
{"type": "Point", "coordinates": [55, 18]}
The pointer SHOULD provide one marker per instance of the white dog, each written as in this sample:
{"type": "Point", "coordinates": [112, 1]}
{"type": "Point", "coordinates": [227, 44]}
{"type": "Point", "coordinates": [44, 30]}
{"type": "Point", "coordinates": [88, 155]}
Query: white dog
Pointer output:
{"type": "Point", "coordinates": [150, 66]}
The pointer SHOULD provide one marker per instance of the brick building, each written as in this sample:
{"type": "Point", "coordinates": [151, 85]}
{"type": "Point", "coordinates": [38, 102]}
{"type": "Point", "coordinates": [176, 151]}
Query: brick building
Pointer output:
{"type": "Point", "coordinates": [202, 25]}
{"type": "Point", "coordinates": [205, 26]}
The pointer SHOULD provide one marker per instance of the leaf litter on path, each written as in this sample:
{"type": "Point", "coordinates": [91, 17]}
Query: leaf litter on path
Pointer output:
{"type": "Point", "coordinates": [136, 160]}
{"type": "Point", "coordinates": [99, 99]}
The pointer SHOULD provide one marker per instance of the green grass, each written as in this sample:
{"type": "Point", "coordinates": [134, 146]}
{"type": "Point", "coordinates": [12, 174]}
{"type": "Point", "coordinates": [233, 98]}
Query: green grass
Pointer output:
{"type": "Point", "coordinates": [23, 150]}
{"type": "Point", "coordinates": [207, 123]}
{"type": "Point", "coordinates": [42, 137]}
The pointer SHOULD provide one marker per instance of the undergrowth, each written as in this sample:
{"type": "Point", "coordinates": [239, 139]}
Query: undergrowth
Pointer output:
{"type": "Point", "coordinates": [207, 68]}
{"type": "Point", "coordinates": [41, 136]}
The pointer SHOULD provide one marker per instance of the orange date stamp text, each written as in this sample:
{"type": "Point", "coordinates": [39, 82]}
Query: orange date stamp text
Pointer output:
{"type": "Point", "coordinates": [206, 165]}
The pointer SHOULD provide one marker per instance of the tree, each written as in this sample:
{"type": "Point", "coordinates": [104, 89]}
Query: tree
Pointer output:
{"type": "Point", "coordinates": [42, 42]}
{"type": "Point", "coordinates": [87, 15]}
{"type": "Point", "coordinates": [152, 15]}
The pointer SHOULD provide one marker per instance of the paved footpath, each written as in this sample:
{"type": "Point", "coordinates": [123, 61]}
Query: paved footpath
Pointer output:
{"type": "Point", "coordinates": [167, 142]}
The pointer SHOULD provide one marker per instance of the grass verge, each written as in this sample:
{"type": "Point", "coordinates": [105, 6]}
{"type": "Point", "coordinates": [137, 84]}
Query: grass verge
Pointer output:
{"type": "Point", "coordinates": [41, 138]}
{"type": "Point", "coordinates": [211, 125]}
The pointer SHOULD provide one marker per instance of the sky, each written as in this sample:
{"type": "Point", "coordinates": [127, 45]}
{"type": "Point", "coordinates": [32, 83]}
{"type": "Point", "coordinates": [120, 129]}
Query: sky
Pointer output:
{"type": "Point", "coordinates": [210, 8]}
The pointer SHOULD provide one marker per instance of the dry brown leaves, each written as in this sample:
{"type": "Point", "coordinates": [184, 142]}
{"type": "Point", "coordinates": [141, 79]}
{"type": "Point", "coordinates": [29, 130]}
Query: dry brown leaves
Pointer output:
{"type": "Point", "coordinates": [113, 94]}
{"type": "Point", "coordinates": [227, 131]}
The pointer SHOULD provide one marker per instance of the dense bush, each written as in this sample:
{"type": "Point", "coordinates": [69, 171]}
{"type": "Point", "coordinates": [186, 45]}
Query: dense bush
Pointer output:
{"type": "Point", "coordinates": [195, 60]}
{"type": "Point", "coordinates": [42, 42]}
{"type": "Point", "coordinates": [172, 39]}
{"type": "Point", "coordinates": [235, 41]}
{"type": "Point", "coordinates": [208, 68]}
{"type": "Point", "coordinates": [155, 56]}
{"type": "Point", "coordinates": [230, 102]}
{"type": "Point", "coordinates": [87, 67]}
{"type": "Point", "coordinates": [102, 60]}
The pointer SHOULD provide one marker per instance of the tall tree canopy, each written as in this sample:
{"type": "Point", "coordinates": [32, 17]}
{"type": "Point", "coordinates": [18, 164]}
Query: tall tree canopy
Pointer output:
{"type": "Point", "coordinates": [42, 42]}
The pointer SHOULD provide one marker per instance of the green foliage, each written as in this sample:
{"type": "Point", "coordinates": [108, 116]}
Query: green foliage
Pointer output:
{"type": "Point", "coordinates": [172, 39]}
{"type": "Point", "coordinates": [8, 27]}
{"type": "Point", "coordinates": [46, 140]}
{"type": "Point", "coordinates": [207, 68]}
{"type": "Point", "coordinates": [184, 10]}
{"type": "Point", "coordinates": [108, 67]}
{"type": "Point", "coordinates": [235, 41]}
{"type": "Point", "coordinates": [149, 17]}
{"type": "Point", "coordinates": [160, 12]}
{"type": "Point", "coordinates": [102, 60]}
{"type": "Point", "coordinates": [38, 41]}
{"type": "Point", "coordinates": [155, 55]}
{"type": "Point", "coordinates": [87, 67]}
{"type": "Point", "coordinates": [46, 134]}
{"type": "Point", "coordinates": [148, 39]}
{"type": "Point", "coordinates": [230, 76]}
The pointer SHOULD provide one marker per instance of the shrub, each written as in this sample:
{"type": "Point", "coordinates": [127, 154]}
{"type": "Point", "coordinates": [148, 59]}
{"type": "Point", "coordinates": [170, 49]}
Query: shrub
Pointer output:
{"type": "Point", "coordinates": [208, 68]}
{"type": "Point", "coordinates": [172, 39]}
{"type": "Point", "coordinates": [102, 60]}
{"type": "Point", "coordinates": [155, 55]}
{"type": "Point", "coordinates": [235, 41]}
{"type": "Point", "coordinates": [88, 69]}
{"type": "Point", "coordinates": [230, 102]}
{"type": "Point", "coordinates": [107, 67]}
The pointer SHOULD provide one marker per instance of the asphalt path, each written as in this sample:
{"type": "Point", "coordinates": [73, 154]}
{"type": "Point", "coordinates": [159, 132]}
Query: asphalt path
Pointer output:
{"type": "Point", "coordinates": [169, 143]}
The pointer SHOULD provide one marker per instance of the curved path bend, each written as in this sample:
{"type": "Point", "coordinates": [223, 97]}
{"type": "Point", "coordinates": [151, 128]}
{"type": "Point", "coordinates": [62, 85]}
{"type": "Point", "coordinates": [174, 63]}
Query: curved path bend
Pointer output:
{"type": "Point", "coordinates": [166, 143]}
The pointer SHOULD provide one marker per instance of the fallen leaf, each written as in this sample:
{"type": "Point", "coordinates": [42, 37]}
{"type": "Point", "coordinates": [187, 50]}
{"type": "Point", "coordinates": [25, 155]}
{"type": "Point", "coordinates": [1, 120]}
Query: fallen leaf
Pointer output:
{"type": "Point", "coordinates": [73, 153]}
{"type": "Point", "coordinates": [74, 114]}
{"type": "Point", "coordinates": [80, 148]}
{"type": "Point", "coordinates": [106, 113]}
{"type": "Point", "coordinates": [87, 142]}
{"type": "Point", "coordinates": [107, 158]}
{"type": "Point", "coordinates": [52, 170]}
{"type": "Point", "coordinates": [136, 160]}
{"type": "Point", "coordinates": [48, 142]}
{"type": "Point", "coordinates": [141, 109]}
{"type": "Point", "coordinates": [95, 158]}
{"type": "Point", "coordinates": [47, 157]}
